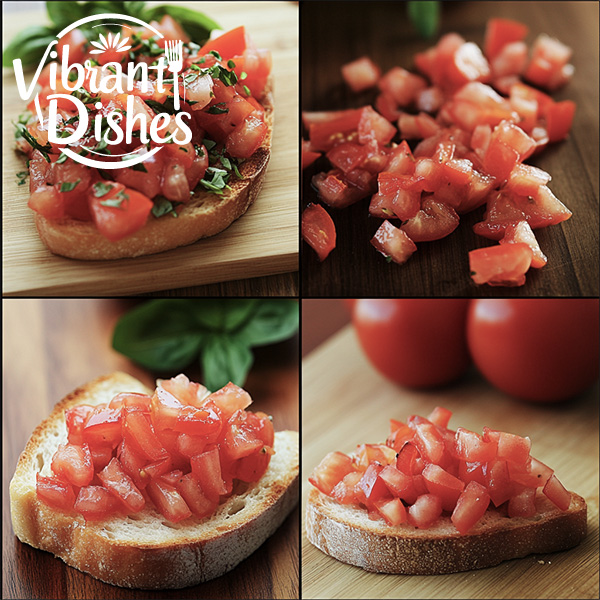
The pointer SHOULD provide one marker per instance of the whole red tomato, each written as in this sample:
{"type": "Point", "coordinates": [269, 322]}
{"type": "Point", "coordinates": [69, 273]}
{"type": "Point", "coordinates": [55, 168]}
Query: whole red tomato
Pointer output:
{"type": "Point", "coordinates": [541, 350]}
{"type": "Point", "coordinates": [417, 343]}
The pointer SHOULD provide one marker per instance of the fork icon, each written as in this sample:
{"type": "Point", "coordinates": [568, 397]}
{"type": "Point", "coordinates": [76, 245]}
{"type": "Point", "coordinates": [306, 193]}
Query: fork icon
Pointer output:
{"type": "Point", "coordinates": [174, 55]}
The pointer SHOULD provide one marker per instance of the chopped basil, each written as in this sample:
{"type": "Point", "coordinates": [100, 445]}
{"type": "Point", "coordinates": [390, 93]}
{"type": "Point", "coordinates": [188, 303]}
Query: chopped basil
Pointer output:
{"type": "Point", "coordinates": [219, 108]}
{"type": "Point", "coordinates": [117, 201]}
{"type": "Point", "coordinates": [69, 186]}
{"type": "Point", "coordinates": [101, 189]}
{"type": "Point", "coordinates": [162, 207]}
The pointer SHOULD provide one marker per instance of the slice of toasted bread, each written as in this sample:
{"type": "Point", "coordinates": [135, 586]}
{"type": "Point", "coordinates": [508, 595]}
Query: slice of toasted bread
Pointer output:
{"type": "Point", "coordinates": [205, 215]}
{"type": "Point", "coordinates": [144, 550]}
{"type": "Point", "coordinates": [345, 532]}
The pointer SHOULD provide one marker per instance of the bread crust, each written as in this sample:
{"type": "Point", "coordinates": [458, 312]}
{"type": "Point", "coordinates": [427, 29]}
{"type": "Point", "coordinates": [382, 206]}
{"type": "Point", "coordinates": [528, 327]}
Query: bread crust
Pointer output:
{"type": "Point", "coordinates": [157, 554]}
{"type": "Point", "coordinates": [205, 215]}
{"type": "Point", "coordinates": [346, 533]}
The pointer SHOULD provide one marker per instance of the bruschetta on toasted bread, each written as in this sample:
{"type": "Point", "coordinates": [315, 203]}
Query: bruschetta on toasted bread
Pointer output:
{"type": "Point", "coordinates": [432, 500]}
{"type": "Point", "coordinates": [153, 490]}
{"type": "Point", "coordinates": [219, 95]}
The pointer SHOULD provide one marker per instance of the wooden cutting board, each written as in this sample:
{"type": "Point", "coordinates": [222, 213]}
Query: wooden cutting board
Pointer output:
{"type": "Point", "coordinates": [262, 242]}
{"type": "Point", "coordinates": [345, 403]}
{"type": "Point", "coordinates": [441, 268]}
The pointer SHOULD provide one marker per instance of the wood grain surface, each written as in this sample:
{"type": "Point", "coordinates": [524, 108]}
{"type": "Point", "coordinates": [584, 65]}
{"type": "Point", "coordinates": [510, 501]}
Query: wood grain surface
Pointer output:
{"type": "Point", "coordinates": [334, 33]}
{"type": "Point", "coordinates": [52, 346]}
{"type": "Point", "coordinates": [346, 403]}
{"type": "Point", "coordinates": [263, 242]}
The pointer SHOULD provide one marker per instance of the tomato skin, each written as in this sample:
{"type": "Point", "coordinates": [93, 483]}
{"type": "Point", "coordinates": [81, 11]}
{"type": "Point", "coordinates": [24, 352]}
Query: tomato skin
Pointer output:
{"type": "Point", "coordinates": [417, 343]}
{"type": "Point", "coordinates": [318, 230]}
{"type": "Point", "coordinates": [538, 350]}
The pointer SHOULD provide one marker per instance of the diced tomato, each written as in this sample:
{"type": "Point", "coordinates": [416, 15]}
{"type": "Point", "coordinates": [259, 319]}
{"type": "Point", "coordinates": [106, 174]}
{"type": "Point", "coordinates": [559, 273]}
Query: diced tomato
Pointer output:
{"type": "Point", "coordinates": [347, 156]}
{"type": "Point", "coordinates": [365, 454]}
{"type": "Point", "coordinates": [522, 504]}
{"type": "Point", "coordinates": [500, 32]}
{"type": "Point", "coordinates": [332, 469]}
{"type": "Point", "coordinates": [133, 464]}
{"type": "Point", "coordinates": [501, 265]}
{"type": "Point", "coordinates": [467, 64]}
{"type": "Point", "coordinates": [116, 481]}
{"type": "Point", "coordinates": [388, 107]}
{"type": "Point", "coordinates": [120, 212]}
{"type": "Point", "coordinates": [168, 501]}
{"type": "Point", "coordinates": [533, 474]}
{"type": "Point", "coordinates": [471, 447]}
{"type": "Point", "coordinates": [96, 502]}
{"type": "Point", "coordinates": [392, 510]}
{"type": "Point", "coordinates": [54, 492]}
{"type": "Point", "coordinates": [556, 493]}
{"type": "Point", "coordinates": [401, 85]}
{"type": "Point", "coordinates": [443, 484]}
{"type": "Point", "coordinates": [73, 464]}
{"type": "Point", "coordinates": [191, 491]}
{"type": "Point", "coordinates": [434, 221]}
{"type": "Point", "coordinates": [76, 418]}
{"type": "Point", "coordinates": [346, 491]}
{"type": "Point", "coordinates": [361, 74]}
{"type": "Point", "coordinates": [500, 159]}
{"type": "Point", "coordinates": [429, 441]}
{"type": "Point", "coordinates": [229, 399]}
{"type": "Point", "coordinates": [103, 427]}
{"type": "Point", "coordinates": [521, 233]}
{"type": "Point", "coordinates": [318, 230]}
{"type": "Point", "coordinates": [372, 486]}
{"type": "Point", "coordinates": [393, 242]}
{"type": "Point", "coordinates": [229, 44]}
{"type": "Point", "coordinates": [325, 132]}
{"type": "Point", "coordinates": [206, 467]}
{"type": "Point", "coordinates": [372, 126]}
{"type": "Point", "coordinates": [549, 66]}
{"type": "Point", "coordinates": [470, 507]}
{"type": "Point", "coordinates": [425, 511]}
{"type": "Point", "coordinates": [408, 455]}
{"type": "Point", "coordinates": [75, 40]}
{"type": "Point", "coordinates": [440, 416]}
{"type": "Point", "coordinates": [139, 433]}
{"type": "Point", "coordinates": [247, 137]}
{"type": "Point", "coordinates": [196, 421]}
{"type": "Point", "coordinates": [335, 190]}
{"type": "Point", "coordinates": [559, 118]}
{"type": "Point", "coordinates": [308, 155]}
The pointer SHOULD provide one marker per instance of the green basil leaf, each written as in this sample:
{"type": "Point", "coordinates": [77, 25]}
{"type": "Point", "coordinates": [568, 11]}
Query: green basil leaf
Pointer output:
{"type": "Point", "coordinates": [28, 45]}
{"type": "Point", "coordinates": [225, 359]}
{"type": "Point", "coordinates": [273, 321]}
{"type": "Point", "coordinates": [425, 16]}
{"type": "Point", "coordinates": [197, 25]}
{"type": "Point", "coordinates": [63, 14]}
{"type": "Point", "coordinates": [159, 335]}
{"type": "Point", "coordinates": [134, 8]}
{"type": "Point", "coordinates": [222, 316]}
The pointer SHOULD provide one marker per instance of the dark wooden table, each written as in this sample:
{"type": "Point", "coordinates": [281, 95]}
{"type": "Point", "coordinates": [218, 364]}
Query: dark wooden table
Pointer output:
{"type": "Point", "coordinates": [335, 33]}
{"type": "Point", "coordinates": [53, 346]}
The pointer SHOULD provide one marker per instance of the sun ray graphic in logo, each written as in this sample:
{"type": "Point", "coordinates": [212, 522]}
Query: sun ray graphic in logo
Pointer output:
{"type": "Point", "coordinates": [110, 43]}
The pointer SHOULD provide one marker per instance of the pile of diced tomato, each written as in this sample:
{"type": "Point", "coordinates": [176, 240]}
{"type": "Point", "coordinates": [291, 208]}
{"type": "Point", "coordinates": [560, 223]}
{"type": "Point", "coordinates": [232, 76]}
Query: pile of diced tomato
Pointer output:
{"type": "Point", "coordinates": [471, 154]}
{"type": "Point", "coordinates": [181, 450]}
{"type": "Point", "coordinates": [425, 470]}
{"type": "Point", "coordinates": [230, 116]}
